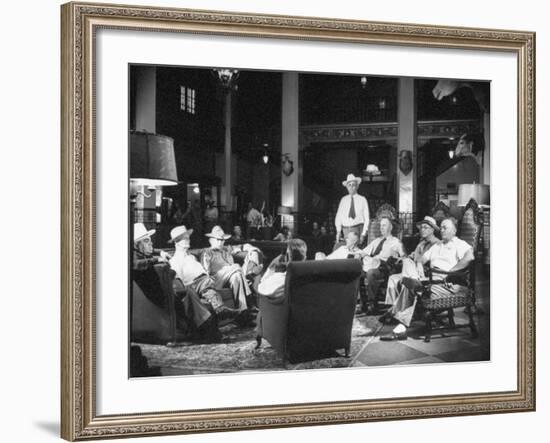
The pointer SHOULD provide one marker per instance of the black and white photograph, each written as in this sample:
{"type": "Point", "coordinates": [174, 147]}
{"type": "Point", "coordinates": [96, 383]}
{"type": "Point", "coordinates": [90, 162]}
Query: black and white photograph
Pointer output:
{"type": "Point", "coordinates": [304, 220]}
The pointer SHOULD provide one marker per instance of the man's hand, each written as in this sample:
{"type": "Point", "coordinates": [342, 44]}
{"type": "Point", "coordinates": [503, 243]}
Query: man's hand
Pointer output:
{"type": "Point", "coordinates": [164, 257]}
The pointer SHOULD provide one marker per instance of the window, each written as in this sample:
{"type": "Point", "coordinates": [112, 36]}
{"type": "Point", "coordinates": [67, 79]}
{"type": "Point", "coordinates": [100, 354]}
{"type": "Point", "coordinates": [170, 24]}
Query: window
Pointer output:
{"type": "Point", "coordinates": [187, 99]}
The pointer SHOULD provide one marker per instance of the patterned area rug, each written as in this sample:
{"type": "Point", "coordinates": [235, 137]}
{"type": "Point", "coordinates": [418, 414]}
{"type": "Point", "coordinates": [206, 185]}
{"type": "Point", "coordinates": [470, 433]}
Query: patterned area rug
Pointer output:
{"type": "Point", "coordinates": [236, 353]}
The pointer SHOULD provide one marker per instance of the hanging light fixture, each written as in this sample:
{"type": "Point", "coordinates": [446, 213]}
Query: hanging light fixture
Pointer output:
{"type": "Point", "coordinates": [451, 153]}
{"type": "Point", "coordinates": [227, 77]}
{"type": "Point", "coordinates": [265, 157]}
{"type": "Point", "coordinates": [364, 81]}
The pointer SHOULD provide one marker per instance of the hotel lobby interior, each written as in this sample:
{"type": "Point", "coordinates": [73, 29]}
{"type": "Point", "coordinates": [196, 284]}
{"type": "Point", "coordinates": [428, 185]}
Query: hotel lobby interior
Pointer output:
{"type": "Point", "coordinates": [216, 147]}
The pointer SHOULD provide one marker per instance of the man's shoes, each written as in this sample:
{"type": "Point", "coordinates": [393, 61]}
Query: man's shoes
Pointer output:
{"type": "Point", "coordinates": [225, 312]}
{"type": "Point", "coordinates": [386, 318]}
{"type": "Point", "coordinates": [209, 332]}
{"type": "Point", "coordinates": [392, 336]}
{"type": "Point", "coordinates": [244, 319]}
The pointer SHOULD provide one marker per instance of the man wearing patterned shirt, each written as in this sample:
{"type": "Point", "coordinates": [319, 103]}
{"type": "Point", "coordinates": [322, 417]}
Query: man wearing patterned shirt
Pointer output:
{"type": "Point", "coordinates": [353, 211]}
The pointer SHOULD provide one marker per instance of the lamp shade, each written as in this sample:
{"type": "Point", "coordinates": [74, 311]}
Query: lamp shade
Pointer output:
{"type": "Point", "coordinates": [480, 193]}
{"type": "Point", "coordinates": [152, 160]}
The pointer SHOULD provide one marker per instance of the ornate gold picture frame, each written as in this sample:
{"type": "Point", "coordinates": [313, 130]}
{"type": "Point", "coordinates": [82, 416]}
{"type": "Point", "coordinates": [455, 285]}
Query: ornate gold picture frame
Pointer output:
{"type": "Point", "coordinates": [80, 23]}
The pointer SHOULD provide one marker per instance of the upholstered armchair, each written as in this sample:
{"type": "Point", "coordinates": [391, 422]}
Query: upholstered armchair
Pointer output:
{"type": "Point", "coordinates": [316, 315]}
{"type": "Point", "coordinates": [153, 312]}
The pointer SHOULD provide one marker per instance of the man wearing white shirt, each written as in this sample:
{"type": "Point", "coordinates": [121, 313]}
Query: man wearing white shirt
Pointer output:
{"type": "Point", "coordinates": [349, 250]}
{"type": "Point", "coordinates": [353, 211]}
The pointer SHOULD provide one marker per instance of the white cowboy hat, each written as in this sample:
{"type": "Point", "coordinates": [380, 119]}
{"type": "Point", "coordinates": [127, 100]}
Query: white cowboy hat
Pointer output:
{"type": "Point", "coordinates": [141, 232]}
{"type": "Point", "coordinates": [430, 221]}
{"type": "Point", "coordinates": [178, 233]}
{"type": "Point", "coordinates": [217, 232]}
{"type": "Point", "coordinates": [351, 178]}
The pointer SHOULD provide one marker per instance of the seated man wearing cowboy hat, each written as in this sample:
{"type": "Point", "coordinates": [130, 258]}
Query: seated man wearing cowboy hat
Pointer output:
{"type": "Point", "coordinates": [397, 295]}
{"type": "Point", "coordinates": [375, 259]}
{"type": "Point", "coordinates": [193, 275]}
{"type": "Point", "coordinates": [353, 211]}
{"type": "Point", "coordinates": [188, 304]}
{"type": "Point", "coordinates": [143, 256]}
{"type": "Point", "coordinates": [218, 261]}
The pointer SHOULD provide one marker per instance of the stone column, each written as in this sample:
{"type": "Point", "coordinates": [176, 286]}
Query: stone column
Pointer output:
{"type": "Point", "coordinates": [406, 140]}
{"type": "Point", "coordinates": [227, 199]}
{"type": "Point", "coordinates": [291, 184]}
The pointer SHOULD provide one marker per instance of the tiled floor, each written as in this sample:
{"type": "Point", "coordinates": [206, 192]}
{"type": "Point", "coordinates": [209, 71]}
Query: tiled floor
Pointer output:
{"type": "Point", "coordinates": [456, 345]}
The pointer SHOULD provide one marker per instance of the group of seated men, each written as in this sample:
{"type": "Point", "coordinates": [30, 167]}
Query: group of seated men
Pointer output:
{"type": "Point", "coordinates": [439, 246]}
{"type": "Point", "coordinates": [201, 280]}
{"type": "Point", "coordinates": [216, 269]}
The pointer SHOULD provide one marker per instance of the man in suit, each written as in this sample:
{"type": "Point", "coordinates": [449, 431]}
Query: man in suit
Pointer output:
{"type": "Point", "coordinates": [375, 262]}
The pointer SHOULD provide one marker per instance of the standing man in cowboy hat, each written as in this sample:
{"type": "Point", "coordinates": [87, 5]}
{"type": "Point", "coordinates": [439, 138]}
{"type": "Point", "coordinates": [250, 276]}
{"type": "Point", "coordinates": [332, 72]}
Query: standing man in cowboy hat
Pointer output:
{"type": "Point", "coordinates": [220, 265]}
{"type": "Point", "coordinates": [193, 275]}
{"type": "Point", "coordinates": [397, 295]}
{"type": "Point", "coordinates": [353, 211]}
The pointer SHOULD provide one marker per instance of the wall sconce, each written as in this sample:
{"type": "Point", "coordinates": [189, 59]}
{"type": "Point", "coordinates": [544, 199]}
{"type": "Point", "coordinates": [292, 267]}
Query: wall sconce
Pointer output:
{"type": "Point", "coordinates": [451, 153]}
{"type": "Point", "coordinates": [265, 157]}
{"type": "Point", "coordinates": [287, 165]}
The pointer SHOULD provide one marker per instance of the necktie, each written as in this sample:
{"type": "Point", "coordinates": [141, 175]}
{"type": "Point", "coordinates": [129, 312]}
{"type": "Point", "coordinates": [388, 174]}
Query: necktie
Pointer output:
{"type": "Point", "coordinates": [351, 209]}
{"type": "Point", "coordinates": [378, 248]}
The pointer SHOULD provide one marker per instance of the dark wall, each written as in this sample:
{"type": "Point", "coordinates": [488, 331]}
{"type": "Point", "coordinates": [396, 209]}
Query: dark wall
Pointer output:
{"type": "Point", "coordinates": [196, 136]}
{"type": "Point", "coordinates": [342, 99]}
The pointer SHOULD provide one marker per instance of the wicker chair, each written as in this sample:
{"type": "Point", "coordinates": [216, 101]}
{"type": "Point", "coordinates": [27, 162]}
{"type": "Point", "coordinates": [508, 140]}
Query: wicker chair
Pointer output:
{"type": "Point", "coordinates": [432, 305]}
